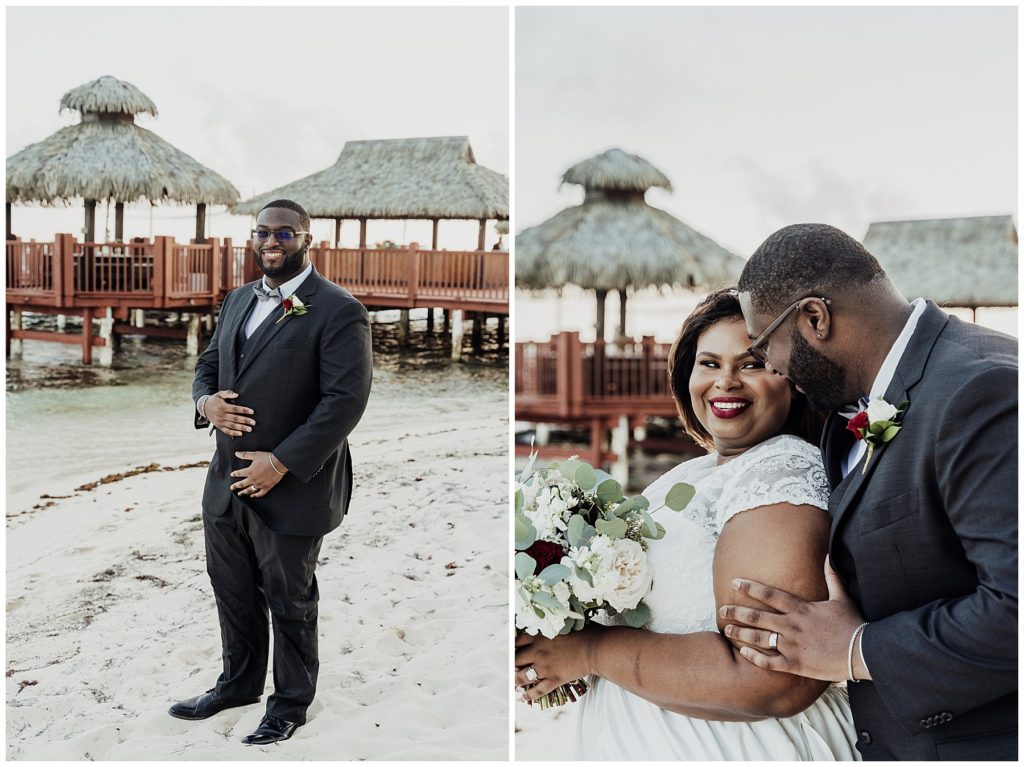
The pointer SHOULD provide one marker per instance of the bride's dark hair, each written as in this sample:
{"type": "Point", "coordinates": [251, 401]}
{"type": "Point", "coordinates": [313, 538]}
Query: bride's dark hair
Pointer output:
{"type": "Point", "coordinates": [724, 305]}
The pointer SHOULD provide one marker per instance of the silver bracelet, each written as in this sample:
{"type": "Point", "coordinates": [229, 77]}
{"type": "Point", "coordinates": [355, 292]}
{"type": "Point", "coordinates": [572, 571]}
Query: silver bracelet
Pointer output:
{"type": "Point", "coordinates": [274, 465]}
{"type": "Point", "coordinates": [849, 653]}
{"type": "Point", "coordinates": [202, 408]}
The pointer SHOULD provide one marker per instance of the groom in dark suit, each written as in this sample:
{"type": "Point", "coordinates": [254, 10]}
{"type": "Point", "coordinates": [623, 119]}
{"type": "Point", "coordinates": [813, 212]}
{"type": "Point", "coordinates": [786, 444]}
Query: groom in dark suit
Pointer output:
{"type": "Point", "coordinates": [922, 570]}
{"type": "Point", "coordinates": [284, 381]}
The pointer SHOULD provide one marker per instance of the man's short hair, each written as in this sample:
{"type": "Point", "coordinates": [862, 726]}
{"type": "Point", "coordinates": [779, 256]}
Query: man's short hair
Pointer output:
{"type": "Point", "coordinates": [805, 259]}
{"type": "Point", "coordinates": [290, 205]}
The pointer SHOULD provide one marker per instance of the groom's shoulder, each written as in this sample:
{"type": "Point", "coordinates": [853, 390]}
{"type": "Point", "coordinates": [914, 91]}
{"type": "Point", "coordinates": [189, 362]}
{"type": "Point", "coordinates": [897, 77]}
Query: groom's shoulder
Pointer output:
{"type": "Point", "coordinates": [976, 347]}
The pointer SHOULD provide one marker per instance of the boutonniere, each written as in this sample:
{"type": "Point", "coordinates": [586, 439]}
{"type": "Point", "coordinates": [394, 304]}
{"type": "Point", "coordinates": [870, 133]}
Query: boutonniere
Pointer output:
{"type": "Point", "coordinates": [877, 424]}
{"type": "Point", "coordinates": [292, 305]}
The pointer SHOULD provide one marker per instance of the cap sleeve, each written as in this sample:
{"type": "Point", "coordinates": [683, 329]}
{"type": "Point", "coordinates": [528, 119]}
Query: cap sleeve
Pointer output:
{"type": "Point", "coordinates": [785, 469]}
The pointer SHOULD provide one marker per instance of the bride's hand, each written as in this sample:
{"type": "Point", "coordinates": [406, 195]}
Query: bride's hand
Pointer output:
{"type": "Point", "coordinates": [556, 661]}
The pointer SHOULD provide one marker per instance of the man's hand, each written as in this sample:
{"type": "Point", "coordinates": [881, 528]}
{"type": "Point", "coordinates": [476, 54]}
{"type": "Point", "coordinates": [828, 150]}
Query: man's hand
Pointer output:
{"type": "Point", "coordinates": [231, 419]}
{"type": "Point", "coordinates": [814, 637]}
{"type": "Point", "coordinates": [260, 477]}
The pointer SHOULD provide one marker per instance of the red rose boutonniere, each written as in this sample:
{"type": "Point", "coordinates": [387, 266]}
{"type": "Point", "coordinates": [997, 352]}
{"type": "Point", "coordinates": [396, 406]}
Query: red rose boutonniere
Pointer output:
{"type": "Point", "coordinates": [876, 425]}
{"type": "Point", "coordinates": [292, 305]}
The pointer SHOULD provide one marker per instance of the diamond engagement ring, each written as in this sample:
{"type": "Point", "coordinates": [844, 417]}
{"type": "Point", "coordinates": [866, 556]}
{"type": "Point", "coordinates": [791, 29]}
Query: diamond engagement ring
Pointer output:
{"type": "Point", "coordinates": [531, 674]}
{"type": "Point", "coordinates": [773, 640]}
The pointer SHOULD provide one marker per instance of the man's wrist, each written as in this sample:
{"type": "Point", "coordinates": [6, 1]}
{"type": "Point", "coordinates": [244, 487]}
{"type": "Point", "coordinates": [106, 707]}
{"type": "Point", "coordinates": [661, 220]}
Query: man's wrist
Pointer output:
{"type": "Point", "coordinates": [201, 405]}
{"type": "Point", "coordinates": [277, 466]}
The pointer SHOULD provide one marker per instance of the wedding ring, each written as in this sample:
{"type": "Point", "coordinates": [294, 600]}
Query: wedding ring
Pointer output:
{"type": "Point", "coordinates": [531, 674]}
{"type": "Point", "coordinates": [773, 640]}
{"type": "Point", "coordinates": [254, 488]}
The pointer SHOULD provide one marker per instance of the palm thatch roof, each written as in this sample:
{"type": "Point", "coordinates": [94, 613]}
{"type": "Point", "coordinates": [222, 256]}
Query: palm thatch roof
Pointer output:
{"type": "Point", "coordinates": [616, 170]}
{"type": "Point", "coordinates": [616, 240]}
{"type": "Point", "coordinates": [108, 157]}
{"type": "Point", "coordinates": [108, 94]}
{"type": "Point", "coordinates": [398, 179]}
{"type": "Point", "coordinates": [963, 262]}
{"type": "Point", "coordinates": [501, 227]}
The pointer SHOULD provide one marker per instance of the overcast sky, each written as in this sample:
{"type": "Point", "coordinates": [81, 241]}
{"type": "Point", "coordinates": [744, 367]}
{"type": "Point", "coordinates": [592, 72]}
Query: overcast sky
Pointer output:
{"type": "Point", "coordinates": [265, 95]}
{"type": "Point", "coordinates": [763, 117]}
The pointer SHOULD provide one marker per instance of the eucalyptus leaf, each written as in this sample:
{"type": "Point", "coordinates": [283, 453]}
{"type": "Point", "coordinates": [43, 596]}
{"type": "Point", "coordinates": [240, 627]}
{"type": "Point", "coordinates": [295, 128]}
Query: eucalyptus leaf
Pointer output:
{"type": "Point", "coordinates": [588, 534]}
{"type": "Point", "coordinates": [585, 477]}
{"type": "Point", "coordinates": [609, 491]}
{"type": "Point", "coordinates": [615, 528]}
{"type": "Point", "coordinates": [525, 565]}
{"type": "Point", "coordinates": [546, 601]}
{"type": "Point", "coordinates": [568, 468]}
{"type": "Point", "coordinates": [528, 468]}
{"type": "Point", "coordinates": [579, 624]}
{"type": "Point", "coordinates": [520, 501]}
{"type": "Point", "coordinates": [552, 574]}
{"type": "Point", "coordinates": [585, 576]}
{"type": "Point", "coordinates": [570, 624]}
{"type": "Point", "coordinates": [574, 530]}
{"type": "Point", "coordinates": [526, 533]}
{"type": "Point", "coordinates": [638, 616]}
{"type": "Point", "coordinates": [679, 496]}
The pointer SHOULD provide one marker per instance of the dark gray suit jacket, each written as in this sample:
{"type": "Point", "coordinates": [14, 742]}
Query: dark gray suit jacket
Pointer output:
{"type": "Point", "coordinates": [307, 378]}
{"type": "Point", "coordinates": [926, 543]}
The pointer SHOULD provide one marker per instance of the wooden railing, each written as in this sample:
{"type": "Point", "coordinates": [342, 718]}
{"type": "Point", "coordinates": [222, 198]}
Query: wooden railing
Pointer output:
{"type": "Point", "coordinates": [165, 274]}
{"type": "Point", "coordinates": [566, 378]}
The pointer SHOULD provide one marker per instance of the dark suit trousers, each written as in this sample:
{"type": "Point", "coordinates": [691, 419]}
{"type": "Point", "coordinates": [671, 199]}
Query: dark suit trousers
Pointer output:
{"type": "Point", "coordinates": [253, 570]}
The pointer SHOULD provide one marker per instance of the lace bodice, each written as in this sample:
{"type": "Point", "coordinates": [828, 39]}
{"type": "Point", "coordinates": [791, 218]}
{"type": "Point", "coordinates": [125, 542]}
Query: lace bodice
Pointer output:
{"type": "Point", "coordinates": [783, 469]}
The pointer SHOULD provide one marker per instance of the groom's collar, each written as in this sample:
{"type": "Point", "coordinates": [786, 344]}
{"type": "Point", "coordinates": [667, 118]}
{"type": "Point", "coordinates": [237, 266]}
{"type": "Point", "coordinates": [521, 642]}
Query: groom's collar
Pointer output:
{"type": "Point", "coordinates": [892, 359]}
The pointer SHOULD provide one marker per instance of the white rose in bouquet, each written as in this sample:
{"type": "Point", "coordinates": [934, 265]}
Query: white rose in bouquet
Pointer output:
{"type": "Point", "coordinates": [629, 575]}
{"type": "Point", "coordinates": [880, 410]}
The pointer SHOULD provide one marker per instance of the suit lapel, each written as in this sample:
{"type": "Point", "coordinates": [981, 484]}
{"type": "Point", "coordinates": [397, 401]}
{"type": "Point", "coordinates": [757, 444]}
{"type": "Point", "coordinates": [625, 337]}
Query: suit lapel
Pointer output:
{"type": "Point", "coordinates": [234, 327]}
{"type": "Point", "coordinates": [908, 373]}
{"type": "Point", "coordinates": [275, 324]}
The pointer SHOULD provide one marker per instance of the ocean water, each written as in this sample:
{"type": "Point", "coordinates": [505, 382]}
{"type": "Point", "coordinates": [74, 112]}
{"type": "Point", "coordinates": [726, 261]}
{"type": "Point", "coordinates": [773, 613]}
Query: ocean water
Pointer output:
{"type": "Point", "coordinates": [68, 423]}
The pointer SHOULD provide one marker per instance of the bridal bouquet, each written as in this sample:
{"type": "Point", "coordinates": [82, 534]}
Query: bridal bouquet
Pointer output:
{"type": "Point", "coordinates": [581, 548]}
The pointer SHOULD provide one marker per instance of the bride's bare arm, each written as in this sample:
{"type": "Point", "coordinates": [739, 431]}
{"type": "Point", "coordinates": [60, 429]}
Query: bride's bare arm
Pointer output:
{"type": "Point", "coordinates": [702, 674]}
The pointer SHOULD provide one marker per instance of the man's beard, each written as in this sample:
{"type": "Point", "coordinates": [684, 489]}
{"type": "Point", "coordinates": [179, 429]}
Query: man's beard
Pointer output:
{"type": "Point", "coordinates": [289, 267]}
{"type": "Point", "coordinates": [822, 380]}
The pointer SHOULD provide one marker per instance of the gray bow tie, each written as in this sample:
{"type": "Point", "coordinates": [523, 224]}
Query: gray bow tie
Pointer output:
{"type": "Point", "coordinates": [266, 295]}
{"type": "Point", "coordinates": [850, 411]}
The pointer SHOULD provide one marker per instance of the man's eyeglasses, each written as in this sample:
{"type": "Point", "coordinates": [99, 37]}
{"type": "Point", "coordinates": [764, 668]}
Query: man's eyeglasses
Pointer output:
{"type": "Point", "coordinates": [757, 349]}
{"type": "Point", "coordinates": [281, 235]}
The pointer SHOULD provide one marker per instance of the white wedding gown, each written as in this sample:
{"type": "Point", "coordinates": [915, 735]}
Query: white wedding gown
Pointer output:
{"type": "Point", "coordinates": [616, 724]}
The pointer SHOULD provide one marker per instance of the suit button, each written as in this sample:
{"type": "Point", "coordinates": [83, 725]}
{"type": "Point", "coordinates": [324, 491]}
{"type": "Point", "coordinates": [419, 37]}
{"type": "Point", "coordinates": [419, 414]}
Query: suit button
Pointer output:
{"type": "Point", "coordinates": [241, 356]}
{"type": "Point", "coordinates": [865, 737]}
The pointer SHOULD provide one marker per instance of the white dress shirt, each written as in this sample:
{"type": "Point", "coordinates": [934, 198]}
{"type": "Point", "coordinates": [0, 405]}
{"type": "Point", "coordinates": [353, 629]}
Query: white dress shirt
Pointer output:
{"type": "Point", "coordinates": [884, 377]}
{"type": "Point", "coordinates": [264, 308]}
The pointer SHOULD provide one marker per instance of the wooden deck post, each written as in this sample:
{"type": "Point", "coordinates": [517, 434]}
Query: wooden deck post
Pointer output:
{"type": "Point", "coordinates": [599, 325]}
{"type": "Point", "coordinates": [596, 442]}
{"type": "Point", "coordinates": [430, 319]}
{"type": "Point", "coordinates": [139, 318]}
{"type": "Point", "coordinates": [192, 335]}
{"type": "Point", "coordinates": [9, 235]}
{"type": "Point", "coordinates": [337, 232]}
{"type": "Point", "coordinates": [90, 221]}
{"type": "Point", "coordinates": [62, 322]}
{"type": "Point", "coordinates": [620, 446]}
{"type": "Point", "coordinates": [15, 346]}
{"type": "Point", "coordinates": [446, 315]}
{"type": "Point", "coordinates": [457, 331]}
{"type": "Point", "coordinates": [227, 266]}
{"type": "Point", "coordinates": [404, 328]}
{"type": "Point", "coordinates": [201, 223]}
{"type": "Point", "coordinates": [433, 236]}
{"type": "Point", "coordinates": [214, 275]}
{"type": "Point", "coordinates": [477, 329]}
{"type": "Point", "coordinates": [501, 330]}
{"type": "Point", "coordinates": [159, 271]}
{"type": "Point", "coordinates": [480, 244]}
{"type": "Point", "coordinates": [87, 335]}
{"type": "Point", "coordinates": [620, 331]}
{"type": "Point", "coordinates": [119, 222]}
{"type": "Point", "coordinates": [107, 334]}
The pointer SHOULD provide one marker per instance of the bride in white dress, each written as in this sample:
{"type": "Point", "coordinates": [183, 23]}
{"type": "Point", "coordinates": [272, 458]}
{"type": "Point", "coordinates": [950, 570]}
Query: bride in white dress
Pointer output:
{"type": "Point", "coordinates": [680, 689]}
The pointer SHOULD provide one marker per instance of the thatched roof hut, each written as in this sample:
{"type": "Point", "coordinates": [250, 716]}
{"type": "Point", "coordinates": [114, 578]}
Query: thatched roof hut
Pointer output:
{"type": "Point", "coordinates": [962, 262]}
{"type": "Point", "coordinates": [107, 156]}
{"type": "Point", "coordinates": [614, 240]}
{"type": "Point", "coordinates": [416, 178]}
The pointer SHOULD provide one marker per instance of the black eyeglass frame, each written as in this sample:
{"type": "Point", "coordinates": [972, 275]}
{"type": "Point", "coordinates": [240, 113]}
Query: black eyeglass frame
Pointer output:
{"type": "Point", "coordinates": [264, 234]}
{"type": "Point", "coordinates": [755, 349]}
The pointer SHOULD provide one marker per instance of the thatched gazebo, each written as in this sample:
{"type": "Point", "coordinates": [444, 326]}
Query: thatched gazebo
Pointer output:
{"type": "Point", "coordinates": [404, 179]}
{"type": "Point", "coordinates": [957, 262]}
{"type": "Point", "coordinates": [614, 240]}
{"type": "Point", "coordinates": [107, 156]}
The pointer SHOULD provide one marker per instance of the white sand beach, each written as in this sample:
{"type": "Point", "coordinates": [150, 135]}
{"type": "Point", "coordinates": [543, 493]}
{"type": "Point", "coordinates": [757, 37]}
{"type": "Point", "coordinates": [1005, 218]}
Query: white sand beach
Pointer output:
{"type": "Point", "coordinates": [545, 736]}
{"type": "Point", "coordinates": [111, 618]}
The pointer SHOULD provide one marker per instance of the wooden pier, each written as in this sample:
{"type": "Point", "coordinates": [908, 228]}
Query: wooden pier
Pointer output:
{"type": "Point", "coordinates": [110, 281]}
{"type": "Point", "coordinates": [608, 387]}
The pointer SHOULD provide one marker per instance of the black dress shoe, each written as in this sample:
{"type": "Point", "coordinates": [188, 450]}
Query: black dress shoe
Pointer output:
{"type": "Point", "coordinates": [271, 730]}
{"type": "Point", "coordinates": [205, 705]}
